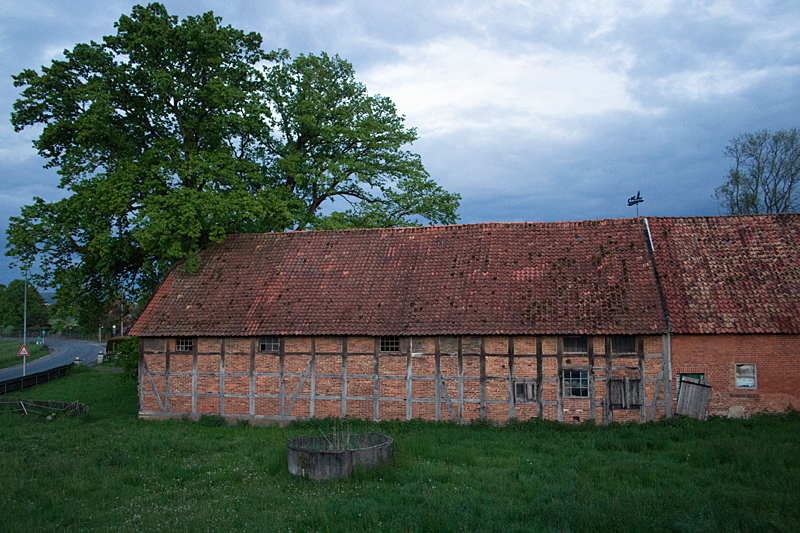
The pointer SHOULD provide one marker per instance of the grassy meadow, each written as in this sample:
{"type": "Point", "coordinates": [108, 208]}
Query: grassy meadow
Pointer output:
{"type": "Point", "coordinates": [109, 471]}
{"type": "Point", "coordinates": [10, 349]}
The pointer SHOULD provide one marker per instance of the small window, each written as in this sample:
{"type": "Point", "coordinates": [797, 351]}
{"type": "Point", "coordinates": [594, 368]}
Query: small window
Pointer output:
{"type": "Point", "coordinates": [524, 392]}
{"type": "Point", "coordinates": [183, 344]}
{"type": "Point", "coordinates": [623, 344]}
{"type": "Point", "coordinates": [576, 384]}
{"type": "Point", "coordinates": [623, 392]}
{"type": "Point", "coordinates": [390, 344]}
{"type": "Point", "coordinates": [575, 345]}
{"type": "Point", "coordinates": [700, 377]}
{"type": "Point", "coordinates": [268, 344]}
{"type": "Point", "coordinates": [746, 376]}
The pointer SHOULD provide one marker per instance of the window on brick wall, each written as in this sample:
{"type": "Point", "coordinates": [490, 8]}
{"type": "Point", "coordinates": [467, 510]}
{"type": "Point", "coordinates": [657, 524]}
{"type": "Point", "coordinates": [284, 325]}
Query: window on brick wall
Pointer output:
{"type": "Point", "coordinates": [268, 344]}
{"type": "Point", "coordinates": [575, 383]}
{"type": "Point", "coordinates": [623, 344]}
{"type": "Point", "coordinates": [183, 344]}
{"type": "Point", "coordinates": [390, 344]}
{"type": "Point", "coordinates": [745, 376]}
{"type": "Point", "coordinates": [524, 392]}
{"type": "Point", "coordinates": [575, 345]}
{"type": "Point", "coordinates": [623, 392]}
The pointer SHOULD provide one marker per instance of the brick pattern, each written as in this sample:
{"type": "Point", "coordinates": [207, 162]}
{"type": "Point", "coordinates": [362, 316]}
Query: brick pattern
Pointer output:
{"type": "Point", "coordinates": [586, 277]}
{"type": "Point", "coordinates": [450, 378]}
{"type": "Point", "coordinates": [716, 356]}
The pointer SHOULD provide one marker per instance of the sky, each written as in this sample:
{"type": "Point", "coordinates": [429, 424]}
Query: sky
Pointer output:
{"type": "Point", "coordinates": [531, 110]}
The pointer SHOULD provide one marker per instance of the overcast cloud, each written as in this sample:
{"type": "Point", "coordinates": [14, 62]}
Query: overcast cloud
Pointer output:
{"type": "Point", "coordinates": [532, 111]}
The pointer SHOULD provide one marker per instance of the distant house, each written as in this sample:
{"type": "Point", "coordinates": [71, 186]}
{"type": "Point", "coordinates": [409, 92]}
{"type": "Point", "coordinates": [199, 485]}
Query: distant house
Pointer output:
{"type": "Point", "coordinates": [568, 321]}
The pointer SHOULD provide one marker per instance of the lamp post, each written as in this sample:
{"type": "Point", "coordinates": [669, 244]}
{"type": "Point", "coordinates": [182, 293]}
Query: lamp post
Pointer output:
{"type": "Point", "coordinates": [25, 323]}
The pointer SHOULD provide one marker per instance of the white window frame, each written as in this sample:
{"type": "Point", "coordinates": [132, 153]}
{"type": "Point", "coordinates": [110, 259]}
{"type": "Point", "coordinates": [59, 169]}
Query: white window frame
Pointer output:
{"type": "Point", "coordinates": [582, 378]}
{"type": "Point", "coordinates": [737, 376]}
{"type": "Point", "coordinates": [184, 344]}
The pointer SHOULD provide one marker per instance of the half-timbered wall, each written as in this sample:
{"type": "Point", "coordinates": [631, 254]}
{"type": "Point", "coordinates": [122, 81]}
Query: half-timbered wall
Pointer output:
{"type": "Point", "coordinates": [435, 378]}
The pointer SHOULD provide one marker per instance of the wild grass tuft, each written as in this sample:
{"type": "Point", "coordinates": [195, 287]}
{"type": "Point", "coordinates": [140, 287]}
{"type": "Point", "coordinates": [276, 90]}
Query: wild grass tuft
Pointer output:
{"type": "Point", "coordinates": [113, 472]}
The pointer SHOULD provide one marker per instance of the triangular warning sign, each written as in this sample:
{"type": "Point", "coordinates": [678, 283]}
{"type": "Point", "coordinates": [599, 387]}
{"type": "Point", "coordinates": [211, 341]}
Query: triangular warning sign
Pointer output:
{"type": "Point", "coordinates": [23, 351]}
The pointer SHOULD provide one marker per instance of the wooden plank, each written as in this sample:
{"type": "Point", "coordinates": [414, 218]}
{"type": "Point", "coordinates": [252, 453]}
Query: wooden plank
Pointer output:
{"type": "Point", "coordinates": [153, 385]}
{"type": "Point", "coordinates": [590, 375]}
{"type": "Point", "coordinates": [313, 376]}
{"type": "Point", "coordinates": [511, 411]}
{"type": "Point", "coordinates": [447, 401]}
{"type": "Point", "coordinates": [281, 379]}
{"type": "Point", "coordinates": [483, 378]}
{"type": "Point", "coordinates": [166, 377]}
{"type": "Point", "coordinates": [303, 377]}
{"type": "Point", "coordinates": [438, 382]}
{"type": "Point", "coordinates": [252, 376]}
{"type": "Point", "coordinates": [642, 393]}
{"type": "Point", "coordinates": [666, 350]}
{"type": "Point", "coordinates": [460, 382]}
{"type": "Point", "coordinates": [344, 376]}
{"type": "Point", "coordinates": [560, 373]}
{"type": "Point", "coordinates": [139, 385]}
{"type": "Point", "coordinates": [221, 376]}
{"type": "Point", "coordinates": [654, 403]}
{"type": "Point", "coordinates": [408, 377]}
{"type": "Point", "coordinates": [376, 384]}
{"type": "Point", "coordinates": [608, 413]}
{"type": "Point", "coordinates": [194, 379]}
{"type": "Point", "coordinates": [539, 380]}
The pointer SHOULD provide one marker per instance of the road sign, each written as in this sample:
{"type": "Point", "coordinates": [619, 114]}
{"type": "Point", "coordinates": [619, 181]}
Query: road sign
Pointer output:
{"type": "Point", "coordinates": [23, 351]}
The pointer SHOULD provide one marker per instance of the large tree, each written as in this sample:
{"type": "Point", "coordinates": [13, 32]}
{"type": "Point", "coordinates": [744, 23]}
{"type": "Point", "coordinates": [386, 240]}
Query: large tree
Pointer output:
{"type": "Point", "coordinates": [764, 175]}
{"type": "Point", "coordinates": [12, 307]}
{"type": "Point", "coordinates": [170, 134]}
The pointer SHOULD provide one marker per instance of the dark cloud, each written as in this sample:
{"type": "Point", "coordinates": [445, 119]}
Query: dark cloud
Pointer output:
{"type": "Point", "coordinates": [532, 111]}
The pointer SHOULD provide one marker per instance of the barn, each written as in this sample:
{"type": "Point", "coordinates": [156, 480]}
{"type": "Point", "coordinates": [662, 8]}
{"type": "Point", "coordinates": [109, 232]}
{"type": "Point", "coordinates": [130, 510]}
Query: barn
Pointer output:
{"type": "Point", "coordinates": [569, 321]}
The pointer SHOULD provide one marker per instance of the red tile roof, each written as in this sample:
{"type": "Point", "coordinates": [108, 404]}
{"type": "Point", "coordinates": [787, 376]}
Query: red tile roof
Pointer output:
{"type": "Point", "coordinates": [730, 274]}
{"type": "Point", "coordinates": [590, 277]}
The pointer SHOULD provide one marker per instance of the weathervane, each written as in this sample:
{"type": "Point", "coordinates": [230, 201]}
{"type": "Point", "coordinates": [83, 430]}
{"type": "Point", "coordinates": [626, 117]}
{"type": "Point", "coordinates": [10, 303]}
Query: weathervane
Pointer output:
{"type": "Point", "coordinates": [636, 200]}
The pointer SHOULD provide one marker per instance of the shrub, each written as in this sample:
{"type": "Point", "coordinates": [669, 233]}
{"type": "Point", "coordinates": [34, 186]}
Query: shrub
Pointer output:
{"type": "Point", "coordinates": [128, 351]}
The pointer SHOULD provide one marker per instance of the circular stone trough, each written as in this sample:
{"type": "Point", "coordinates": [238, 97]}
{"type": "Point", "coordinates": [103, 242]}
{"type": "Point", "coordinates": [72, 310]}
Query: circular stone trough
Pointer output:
{"type": "Point", "coordinates": [336, 456]}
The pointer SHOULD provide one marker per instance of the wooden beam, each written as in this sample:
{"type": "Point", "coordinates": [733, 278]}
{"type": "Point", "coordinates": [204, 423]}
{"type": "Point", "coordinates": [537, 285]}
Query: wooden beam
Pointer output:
{"type": "Point", "coordinates": [153, 385]}
{"type": "Point", "coordinates": [438, 377]}
{"type": "Point", "coordinates": [408, 377]}
{"type": "Point", "coordinates": [460, 381]}
{"type": "Point", "coordinates": [666, 354]}
{"type": "Point", "coordinates": [139, 386]}
{"type": "Point", "coordinates": [652, 414]}
{"type": "Point", "coordinates": [303, 377]}
{"type": "Point", "coordinates": [608, 413]}
{"type": "Point", "coordinates": [483, 378]}
{"type": "Point", "coordinates": [559, 373]}
{"type": "Point", "coordinates": [539, 380]}
{"type": "Point", "coordinates": [511, 412]}
{"type": "Point", "coordinates": [642, 393]}
{"type": "Point", "coordinates": [252, 394]}
{"type": "Point", "coordinates": [222, 377]}
{"type": "Point", "coordinates": [166, 377]}
{"type": "Point", "coordinates": [344, 376]}
{"type": "Point", "coordinates": [447, 400]}
{"type": "Point", "coordinates": [194, 379]}
{"type": "Point", "coordinates": [282, 378]}
{"type": "Point", "coordinates": [376, 383]}
{"type": "Point", "coordinates": [590, 348]}
{"type": "Point", "coordinates": [313, 376]}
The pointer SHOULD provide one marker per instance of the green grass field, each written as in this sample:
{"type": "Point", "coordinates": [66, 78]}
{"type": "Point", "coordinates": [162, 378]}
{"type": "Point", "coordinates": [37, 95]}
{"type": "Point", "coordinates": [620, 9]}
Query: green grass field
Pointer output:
{"type": "Point", "coordinates": [10, 349]}
{"type": "Point", "coordinates": [112, 472]}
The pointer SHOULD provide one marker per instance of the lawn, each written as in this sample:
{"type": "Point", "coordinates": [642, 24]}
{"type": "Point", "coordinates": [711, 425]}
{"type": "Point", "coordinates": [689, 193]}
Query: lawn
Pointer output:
{"type": "Point", "coordinates": [10, 349]}
{"type": "Point", "coordinates": [110, 471]}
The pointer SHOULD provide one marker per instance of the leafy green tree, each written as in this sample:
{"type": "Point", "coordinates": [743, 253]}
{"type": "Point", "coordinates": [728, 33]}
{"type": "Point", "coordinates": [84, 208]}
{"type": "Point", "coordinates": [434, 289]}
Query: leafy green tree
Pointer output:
{"type": "Point", "coordinates": [12, 308]}
{"type": "Point", "coordinates": [764, 175]}
{"type": "Point", "coordinates": [169, 134]}
{"type": "Point", "coordinates": [336, 141]}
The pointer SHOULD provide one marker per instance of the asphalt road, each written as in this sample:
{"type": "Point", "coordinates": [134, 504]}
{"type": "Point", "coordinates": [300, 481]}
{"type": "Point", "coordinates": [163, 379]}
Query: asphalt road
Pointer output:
{"type": "Point", "coordinates": [64, 352]}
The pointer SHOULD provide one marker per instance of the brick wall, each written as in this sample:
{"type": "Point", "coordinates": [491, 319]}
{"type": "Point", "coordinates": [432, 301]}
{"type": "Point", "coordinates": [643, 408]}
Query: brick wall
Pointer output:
{"type": "Point", "coordinates": [777, 371]}
{"type": "Point", "coordinates": [436, 378]}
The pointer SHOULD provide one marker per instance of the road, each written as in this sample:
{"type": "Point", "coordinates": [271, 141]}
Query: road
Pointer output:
{"type": "Point", "coordinates": [64, 352]}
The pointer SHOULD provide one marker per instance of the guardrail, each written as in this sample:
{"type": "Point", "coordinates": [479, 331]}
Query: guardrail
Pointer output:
{"type": "Point", "coordinates": [32, 380]}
